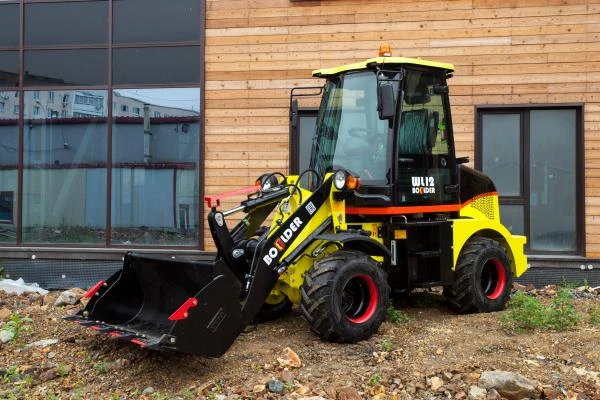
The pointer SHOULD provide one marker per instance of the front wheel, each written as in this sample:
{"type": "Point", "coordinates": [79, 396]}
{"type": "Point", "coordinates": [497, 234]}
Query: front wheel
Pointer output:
{"type": "Point", "coordinates": [483, 278]}
{"type": "Point", "coordinates": [344, 297]}
{"type": "Point", "coordinates": [270, 312]}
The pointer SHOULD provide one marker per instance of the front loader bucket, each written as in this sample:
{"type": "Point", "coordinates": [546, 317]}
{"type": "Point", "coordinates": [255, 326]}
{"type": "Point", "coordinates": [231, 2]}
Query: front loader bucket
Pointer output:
{"type": "Point", "coordinates": [159, 303]}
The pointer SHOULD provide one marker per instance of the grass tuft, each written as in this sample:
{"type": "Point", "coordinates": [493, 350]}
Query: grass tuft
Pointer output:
{"type": "Point", "coordinates": [396, 316]}
{"type": "Point", "coordinates": [527, 313]}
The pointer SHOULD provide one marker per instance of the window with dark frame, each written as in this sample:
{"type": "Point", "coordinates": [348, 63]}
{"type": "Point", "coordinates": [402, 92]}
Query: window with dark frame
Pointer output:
{"type": "Point", "coordinates": [534, 155]}
{"type": "Point", "coordinates": [57, 70]}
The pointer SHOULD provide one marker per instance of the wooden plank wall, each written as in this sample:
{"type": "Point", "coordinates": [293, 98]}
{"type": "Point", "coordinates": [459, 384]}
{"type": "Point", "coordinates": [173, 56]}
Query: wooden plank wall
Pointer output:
{"type": "Point", "coordinates": [505, 52]}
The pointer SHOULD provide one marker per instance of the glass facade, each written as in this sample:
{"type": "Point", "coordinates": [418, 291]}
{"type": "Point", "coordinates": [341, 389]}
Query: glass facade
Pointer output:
{"type": "Point", "coordinates": [89, 19]}
{"type": "Point", "coordinates": [64, 171]}
{"type": "Point", "coordinates": [76, 67]}
{"type": "Point", "coordinates": [155, 174]}
{"type": "Point", "coordinates": [9, 25]}
{"type": "Point", "coordinates": [9, 162]}
{"type": "Point", "coordinates": [100, 128]}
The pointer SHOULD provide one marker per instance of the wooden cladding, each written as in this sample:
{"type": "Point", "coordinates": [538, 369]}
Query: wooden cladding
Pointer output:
{"type": "Point", "coordinates": [506, 52]}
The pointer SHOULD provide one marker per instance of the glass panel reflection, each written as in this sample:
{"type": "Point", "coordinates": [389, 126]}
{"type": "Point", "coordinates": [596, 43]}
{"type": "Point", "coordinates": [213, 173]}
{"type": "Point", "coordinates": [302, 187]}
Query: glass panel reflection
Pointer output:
{"type": "Point", "coordinates": [513, 217]}
{"type": "Point", "coordinates": [502, 153]}
{"type": "Point", "coordinates": [46, 23]}
{"type": "Point", "coordinates": [9, 25]}
{"type": "Point", "coordinates": [154, 65]}
{"type": "Point", "coordinates": [9, 159]}
{"type": "Point", "coordinates": [179, 20]}
{"type": "Point", "coordinates": [9, 68]}
{"type": "Point", "coordinates": [155, 175]}
{"type": "Point", "coordinates": [66, 67]}
{"type": "Point", "coordinates": [64, 177]}
{"type": "Point", "coordinates": [553, 201]}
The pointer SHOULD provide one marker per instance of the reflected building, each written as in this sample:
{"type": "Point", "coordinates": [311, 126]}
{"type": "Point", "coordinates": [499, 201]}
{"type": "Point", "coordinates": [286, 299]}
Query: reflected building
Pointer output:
{"type": "Point", "coordinates": [155, 152]}
{"type": "Point", "coordinates": [84, 104]}
{"type": "Point", "coordinates": [100, 131]}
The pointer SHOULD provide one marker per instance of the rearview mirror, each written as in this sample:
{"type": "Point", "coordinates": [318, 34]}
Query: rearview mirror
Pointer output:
{"type": "Point", "coordinates": [386, 100]}
{"type": "Point", "coordinates": [440, 89]}
{"type": "Point", "coordinates": [294, 117]}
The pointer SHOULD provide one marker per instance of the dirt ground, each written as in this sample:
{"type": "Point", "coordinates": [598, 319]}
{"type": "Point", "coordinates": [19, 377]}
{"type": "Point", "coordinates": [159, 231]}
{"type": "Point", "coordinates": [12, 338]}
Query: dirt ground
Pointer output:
{"type": "Point", "coordinates": [436, 354]}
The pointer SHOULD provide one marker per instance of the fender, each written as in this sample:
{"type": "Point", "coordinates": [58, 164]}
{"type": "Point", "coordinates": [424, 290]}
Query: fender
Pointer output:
{"type": "Point", "coordinates": [464, 229]}
{"type": "Point", "coordinates": [356, 241]}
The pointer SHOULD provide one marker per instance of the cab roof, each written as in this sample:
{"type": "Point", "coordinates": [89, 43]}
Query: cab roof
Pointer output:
{"type": "Point", "coordinates": [325, 72]}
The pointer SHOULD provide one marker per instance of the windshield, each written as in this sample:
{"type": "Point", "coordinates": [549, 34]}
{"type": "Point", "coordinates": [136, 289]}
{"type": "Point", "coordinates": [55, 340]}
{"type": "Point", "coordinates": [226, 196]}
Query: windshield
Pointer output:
{"type": "Point", "coordinates": [349, 133]}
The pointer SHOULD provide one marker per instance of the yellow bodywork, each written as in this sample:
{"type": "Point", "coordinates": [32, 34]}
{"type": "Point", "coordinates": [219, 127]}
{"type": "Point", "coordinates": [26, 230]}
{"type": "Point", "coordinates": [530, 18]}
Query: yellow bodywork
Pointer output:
{"type": "Point", "coordinates": [362, 65]}
{"type": "Point", "coordinates": [478, 217]}
{"type": "Point", "coordinates": [289, 282]}
{"type": "Point", "coordinates": [481, 216]}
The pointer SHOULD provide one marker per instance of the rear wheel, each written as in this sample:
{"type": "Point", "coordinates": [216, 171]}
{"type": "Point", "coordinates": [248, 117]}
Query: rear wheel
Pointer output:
{"type": "Point", "coordinates": [344, 296]}
{"type": "Point", "coordinates": [483, 278]}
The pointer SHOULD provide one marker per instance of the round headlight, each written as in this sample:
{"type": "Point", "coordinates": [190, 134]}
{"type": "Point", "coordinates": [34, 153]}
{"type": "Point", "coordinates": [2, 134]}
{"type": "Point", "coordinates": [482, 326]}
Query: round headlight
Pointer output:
{"type": "Point", "coordinates": [339, 179]}
{"type": "Point", "coordinates": [267, 182]}
{"type": "Point", "coordinates": [266, 185]}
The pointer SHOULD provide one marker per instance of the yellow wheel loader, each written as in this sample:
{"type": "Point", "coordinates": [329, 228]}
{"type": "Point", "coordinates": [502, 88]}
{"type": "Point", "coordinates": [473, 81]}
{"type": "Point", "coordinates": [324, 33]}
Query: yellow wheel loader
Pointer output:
{"type": "Point", "coordinates": [385, 205]}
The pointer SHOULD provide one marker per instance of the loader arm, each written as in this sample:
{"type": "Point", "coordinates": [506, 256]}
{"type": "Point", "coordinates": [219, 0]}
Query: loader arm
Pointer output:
{"type": "Point", "coordinates": [201, 308]}
{"type": "Point", "coordinates": [284, 244]}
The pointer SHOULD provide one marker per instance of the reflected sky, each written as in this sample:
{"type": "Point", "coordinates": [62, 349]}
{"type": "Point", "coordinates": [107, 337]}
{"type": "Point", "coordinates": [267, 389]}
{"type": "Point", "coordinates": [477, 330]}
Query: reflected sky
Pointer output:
{"type": "Point", "coordinates": [183, 98]}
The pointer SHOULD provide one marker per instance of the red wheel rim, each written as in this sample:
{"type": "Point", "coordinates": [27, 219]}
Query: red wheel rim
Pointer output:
{"type": "Point", "coordinates": [493, 279]}
{"type": "Point", "coordinates": [360, 298]}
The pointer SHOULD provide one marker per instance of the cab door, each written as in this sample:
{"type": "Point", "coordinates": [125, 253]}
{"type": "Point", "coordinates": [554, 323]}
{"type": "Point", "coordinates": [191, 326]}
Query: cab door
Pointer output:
{"type": "Point", "coordinates": [425, 160]}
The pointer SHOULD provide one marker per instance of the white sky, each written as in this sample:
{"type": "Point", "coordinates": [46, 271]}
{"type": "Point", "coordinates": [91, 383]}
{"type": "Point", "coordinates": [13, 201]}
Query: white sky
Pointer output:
{"type": "Point", "coordinates": [185, 98]}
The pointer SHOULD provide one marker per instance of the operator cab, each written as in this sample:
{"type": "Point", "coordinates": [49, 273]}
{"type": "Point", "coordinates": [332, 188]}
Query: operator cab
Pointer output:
{"type": "Point", "coordinates": [387, 120]}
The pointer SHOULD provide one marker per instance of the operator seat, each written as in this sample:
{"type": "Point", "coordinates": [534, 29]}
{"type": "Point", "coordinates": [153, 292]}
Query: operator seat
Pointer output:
{"type": "Point", "coordinates": [418, 127]}
{"type": "Point", "coordinates": [416, 139]}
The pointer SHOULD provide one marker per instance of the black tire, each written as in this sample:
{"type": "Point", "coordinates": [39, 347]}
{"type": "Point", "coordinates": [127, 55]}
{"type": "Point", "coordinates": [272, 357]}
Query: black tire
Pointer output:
{"type": "Point", "coordinates": [483, 278]}
{"type": "Point", "coordinates": [345, 296]}
{"type": "Point", "coordinates": [270, 312]}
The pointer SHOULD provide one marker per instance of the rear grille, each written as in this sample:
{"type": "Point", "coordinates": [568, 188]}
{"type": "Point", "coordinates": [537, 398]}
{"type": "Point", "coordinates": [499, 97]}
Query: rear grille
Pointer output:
{"type": "Point", "coordinates": [485, 205]}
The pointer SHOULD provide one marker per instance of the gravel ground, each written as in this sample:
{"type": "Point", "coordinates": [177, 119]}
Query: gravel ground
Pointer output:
{"type": "Point", "coordinates": [435, 355]}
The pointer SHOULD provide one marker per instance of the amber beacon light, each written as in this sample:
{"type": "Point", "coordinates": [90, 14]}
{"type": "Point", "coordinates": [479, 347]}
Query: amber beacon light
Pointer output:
{"type": "Point", "coordinates": [385, 50]}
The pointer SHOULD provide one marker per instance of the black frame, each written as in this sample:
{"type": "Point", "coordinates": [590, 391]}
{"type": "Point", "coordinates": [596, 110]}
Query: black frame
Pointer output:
{"type": "Point", "coordinates": [295, 139]}
{"type": "Point", "coordinates": [524, 200]}
{"type": "Point", "coordinates": [66, 249]}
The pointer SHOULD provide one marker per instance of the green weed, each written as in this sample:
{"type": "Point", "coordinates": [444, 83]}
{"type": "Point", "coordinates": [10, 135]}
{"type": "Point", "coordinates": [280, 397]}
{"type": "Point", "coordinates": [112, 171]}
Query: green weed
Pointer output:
{"type": "Point", "coordinates": [526, 313]}
{"type": "Point", "coordinates": [594, 314]}
{"type": "Point", "coordinates": [12, 373]}
{"type": "Point", "coordinates": [187, 394]}
{"type": "Point", "coordinates": [159, 396]}
{"type": "Point", "coordinates": [375, 379]}
{"type": "Point", "coordinates": [100, 367]}
{"type": "Point", "coordinates": [17, 325]}
{"type": "Point", "coordinates": [51, 394]}
{"type": "Point", "coordinates": [63, 370]}
{"type": "Point", "coordinates": [562, 315]}
{"type": "Point", "coordinates": [396, 316]}
{"type": "Point", "coordinates": [386, 345]}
